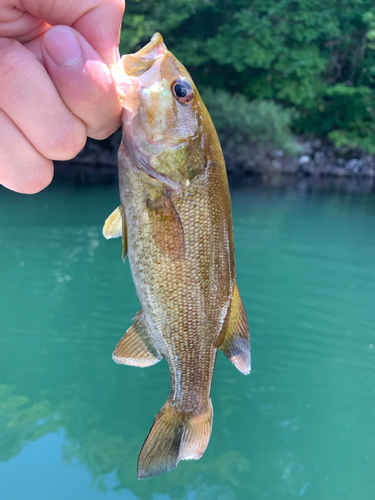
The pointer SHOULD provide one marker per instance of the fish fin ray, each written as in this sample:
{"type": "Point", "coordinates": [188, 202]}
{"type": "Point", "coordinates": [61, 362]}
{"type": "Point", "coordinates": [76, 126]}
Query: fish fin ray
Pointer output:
{"type": "Point", "coordinates": [174, 437]}
{"type": "Point", "coordinates": [115, 226]}
{"type": "Point", "coordinates": [136, 348]}
{"type": "Point", "coordinates": [236, 344]}
{"type": "Point", "coordinates": [167, 228]}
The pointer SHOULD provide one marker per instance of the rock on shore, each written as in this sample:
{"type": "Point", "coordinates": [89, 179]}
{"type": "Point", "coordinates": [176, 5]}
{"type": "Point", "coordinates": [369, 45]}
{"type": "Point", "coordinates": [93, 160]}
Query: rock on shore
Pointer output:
{"type": "Point", "coordinates": [318, 158]}
{"type": "Point", "coordinates": [97, 162]}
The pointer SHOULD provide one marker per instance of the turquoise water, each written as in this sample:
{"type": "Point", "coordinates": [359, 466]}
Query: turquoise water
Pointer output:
{"type": "Point", "coordinates": [301, 425]}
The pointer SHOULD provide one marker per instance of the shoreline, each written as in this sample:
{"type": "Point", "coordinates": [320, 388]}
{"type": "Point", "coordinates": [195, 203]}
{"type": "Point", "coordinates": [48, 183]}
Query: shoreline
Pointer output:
{"type": "Point", "coordinates": [320, 166]}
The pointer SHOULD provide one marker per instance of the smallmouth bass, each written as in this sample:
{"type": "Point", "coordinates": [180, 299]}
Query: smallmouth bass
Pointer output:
{"type": "Point", "coordinates": [175, 220]}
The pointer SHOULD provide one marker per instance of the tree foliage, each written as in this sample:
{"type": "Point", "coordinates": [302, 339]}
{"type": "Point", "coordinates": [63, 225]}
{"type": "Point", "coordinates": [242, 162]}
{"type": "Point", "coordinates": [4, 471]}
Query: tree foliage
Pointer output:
{"type": "Point", "coordinates": [247, 126]}
{"type": "Point", "coordinates": [313, 55]}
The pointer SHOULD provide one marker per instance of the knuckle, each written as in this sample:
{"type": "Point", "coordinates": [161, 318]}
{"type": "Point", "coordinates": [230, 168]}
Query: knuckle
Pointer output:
{"type": "Point", "coordinates": [13, 59]}
{"type": "Point", "coordinates": [104, 131]}
{"type": "Point", "coordinates": [100, 134]}
{"type": "Point", "coordinates": [30, 176]}
{"type": "Point", "coordinates": [42, 178]}
{"type": "Point", "coordinates": [71, 138]}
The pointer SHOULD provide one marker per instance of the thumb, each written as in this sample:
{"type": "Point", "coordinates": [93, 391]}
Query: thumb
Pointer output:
{"type": "Point", "coordinates": [82, 79]}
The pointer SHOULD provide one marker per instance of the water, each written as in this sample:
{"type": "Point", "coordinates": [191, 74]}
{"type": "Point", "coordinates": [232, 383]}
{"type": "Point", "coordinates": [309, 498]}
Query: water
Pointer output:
{"type": "Point", "coordinates": [301, 425]}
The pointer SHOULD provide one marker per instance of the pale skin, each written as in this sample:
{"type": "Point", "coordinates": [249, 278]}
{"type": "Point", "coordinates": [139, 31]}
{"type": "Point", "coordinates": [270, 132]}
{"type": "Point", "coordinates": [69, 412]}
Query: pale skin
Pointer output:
{"type": "Point", "coordinates": [55, 86]}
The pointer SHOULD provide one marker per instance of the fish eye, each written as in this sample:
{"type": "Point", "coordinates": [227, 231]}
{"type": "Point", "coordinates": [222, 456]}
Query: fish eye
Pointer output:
{"type": "Point", "coordinates": [182, 91]}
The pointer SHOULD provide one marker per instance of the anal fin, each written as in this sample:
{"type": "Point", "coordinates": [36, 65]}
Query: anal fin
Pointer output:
{"type": "Point", "coordinates": [136, 348]}
{"type": "Point", "coordinates": [115, 226]}
{"type": "Point", "coordinates": [236, 344]}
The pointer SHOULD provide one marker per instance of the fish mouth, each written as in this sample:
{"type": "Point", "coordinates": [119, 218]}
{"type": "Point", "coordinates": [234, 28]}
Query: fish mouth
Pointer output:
{"type": "Point", "coordinates": [127, 73]}
{"type": "Point", "coordinates": [137, 64]}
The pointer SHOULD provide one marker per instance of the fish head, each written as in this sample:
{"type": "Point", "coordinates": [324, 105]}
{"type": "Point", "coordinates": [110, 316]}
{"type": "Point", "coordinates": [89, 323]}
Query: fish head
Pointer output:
{"type": "Point", "coordinates": [165, 123]}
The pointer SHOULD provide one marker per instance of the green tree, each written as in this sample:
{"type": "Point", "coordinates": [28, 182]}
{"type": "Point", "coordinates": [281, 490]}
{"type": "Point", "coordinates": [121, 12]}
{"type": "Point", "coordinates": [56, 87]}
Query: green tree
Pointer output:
{"type": "Point", "coordinates": [313, 55]}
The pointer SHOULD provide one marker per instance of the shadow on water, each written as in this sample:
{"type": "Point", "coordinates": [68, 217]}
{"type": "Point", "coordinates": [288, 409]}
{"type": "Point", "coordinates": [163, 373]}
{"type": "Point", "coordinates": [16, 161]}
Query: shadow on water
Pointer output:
{"type": "Point", "coordinates": [301, 425]}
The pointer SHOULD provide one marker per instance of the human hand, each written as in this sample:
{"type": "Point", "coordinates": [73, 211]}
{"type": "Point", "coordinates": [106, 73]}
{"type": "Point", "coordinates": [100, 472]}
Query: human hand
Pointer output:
{"type": "Point", "coordinates": [55, 85]}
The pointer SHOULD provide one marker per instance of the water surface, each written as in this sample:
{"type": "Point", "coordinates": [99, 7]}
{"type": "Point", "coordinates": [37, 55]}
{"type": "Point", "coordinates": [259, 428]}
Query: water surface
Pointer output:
{"type": "Point", "coordinates": [301, 425]}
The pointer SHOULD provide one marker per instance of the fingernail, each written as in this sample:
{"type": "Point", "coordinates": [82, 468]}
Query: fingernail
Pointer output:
{"type": "Point", "coordinates": [63, 46]}
{"type": "Point", "coordinates": [4, 42]}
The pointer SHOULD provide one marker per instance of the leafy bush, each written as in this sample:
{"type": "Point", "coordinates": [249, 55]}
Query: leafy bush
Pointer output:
{"type": "Point", "coordinates": [353, 112]}
{"type": "Point", "coordinates": [346, 115]}
{"type": "Point", "coordinates": [245, 126]}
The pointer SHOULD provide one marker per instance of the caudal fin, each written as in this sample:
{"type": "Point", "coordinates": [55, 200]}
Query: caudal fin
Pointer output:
{"type": "Point", "coordinates": [172, 438]}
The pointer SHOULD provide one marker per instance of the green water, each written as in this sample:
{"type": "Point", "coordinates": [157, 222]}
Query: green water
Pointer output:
{"type": "Point", "coordinates": [301, 425]}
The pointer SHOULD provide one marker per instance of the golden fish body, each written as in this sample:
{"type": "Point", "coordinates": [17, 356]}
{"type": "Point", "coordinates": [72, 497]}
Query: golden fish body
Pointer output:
{"type": "Point", "coordinates": [176, 222]}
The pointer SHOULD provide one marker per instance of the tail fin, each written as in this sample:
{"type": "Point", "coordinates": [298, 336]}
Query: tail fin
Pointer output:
{"type": "Point", "coordinates": [174, 437]}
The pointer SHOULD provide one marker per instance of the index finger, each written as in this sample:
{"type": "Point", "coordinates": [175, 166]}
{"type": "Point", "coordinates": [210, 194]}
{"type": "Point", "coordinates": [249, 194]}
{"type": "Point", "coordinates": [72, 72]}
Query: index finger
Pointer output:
{"type": "Point", "coordinates": [101, 27]}
{"type": "Point", "coordinates": [98, 21]}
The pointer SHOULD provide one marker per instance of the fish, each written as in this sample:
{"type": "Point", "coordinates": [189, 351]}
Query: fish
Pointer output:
{"type": "Point", "coordinates": [175, 220]}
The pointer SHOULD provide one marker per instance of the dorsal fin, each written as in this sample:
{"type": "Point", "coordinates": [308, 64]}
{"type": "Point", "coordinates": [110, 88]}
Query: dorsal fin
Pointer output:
{"type": "Point", "coordinates": [236, 344]}
{"type": "Point", "coordinates": [136, 348]}
{"type": "Point", "coordinates": [115, 226]}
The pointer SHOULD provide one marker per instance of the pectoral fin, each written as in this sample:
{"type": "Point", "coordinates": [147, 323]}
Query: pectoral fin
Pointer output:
{"type": "Point", "coordinates": [236, 344]}
{"type": "Point", "coordinates": [167, 228]}
{"type": "Point", "coordinates": [136, 348]}
{"type": "Point", "coordinates": [115, 226]}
